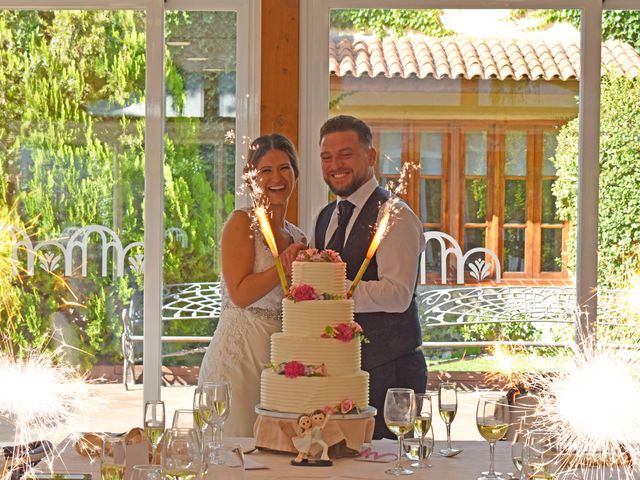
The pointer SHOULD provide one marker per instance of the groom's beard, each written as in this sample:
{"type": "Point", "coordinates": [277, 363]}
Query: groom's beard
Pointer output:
{"type": "Point", "coordinates": [346, 190]}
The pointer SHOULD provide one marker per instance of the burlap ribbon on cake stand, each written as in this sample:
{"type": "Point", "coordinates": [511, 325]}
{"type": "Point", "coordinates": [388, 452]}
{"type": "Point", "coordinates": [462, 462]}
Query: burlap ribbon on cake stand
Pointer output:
{"type": "Point", "coordinates": [344, 435]}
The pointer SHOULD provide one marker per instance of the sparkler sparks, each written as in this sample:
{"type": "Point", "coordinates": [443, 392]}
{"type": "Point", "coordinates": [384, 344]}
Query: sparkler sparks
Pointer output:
{"type": "Point", "coordinates": [389, 214]}
{"type": "Point", "coordinates": [39, 396]}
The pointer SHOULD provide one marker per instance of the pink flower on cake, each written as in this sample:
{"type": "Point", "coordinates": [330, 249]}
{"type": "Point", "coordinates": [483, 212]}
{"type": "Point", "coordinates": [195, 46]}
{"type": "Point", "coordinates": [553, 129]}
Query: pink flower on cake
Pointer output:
{"type": "Point", "coordinates": [343, 332]}
{"type": "Point", "coordinates": [293, 369]}
{"type": "Point", "coordinates": [315, 255]}
{"type": "Point", "coordinates": [303, 292]}
{"type": "Point", "coordinates": [346, 406]}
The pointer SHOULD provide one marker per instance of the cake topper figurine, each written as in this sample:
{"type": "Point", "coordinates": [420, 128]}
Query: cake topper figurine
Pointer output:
{"type": "Point", "coordinates": [310, 428]}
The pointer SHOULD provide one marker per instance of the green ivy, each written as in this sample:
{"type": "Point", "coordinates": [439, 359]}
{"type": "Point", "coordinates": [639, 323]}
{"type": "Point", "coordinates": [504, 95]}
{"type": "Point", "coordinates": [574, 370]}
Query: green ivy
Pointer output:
{"type": "Point", "coordinates": [619, 199]}
{"type": "Point", "coordinates": [387, 21]}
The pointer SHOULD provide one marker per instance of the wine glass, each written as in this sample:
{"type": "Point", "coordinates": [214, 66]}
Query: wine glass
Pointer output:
{"type": "Point", "coordinates": [399, 415]}
{"type": "Point", "coordinates": [184, 418]}
{"type": "Point", "coordinates": [492, 420]}
{"type": "Point", "coordinates": [226, 462]}
{"type": "Point", "coordinates": [180, 454]}
{"type": "Point", "coordinates": [112, 458]}
{"type": "Point", "coordinates": [146, 472]}
{"type": "Point", "coordinates": [154, 424]}
{"type": "Point", "coordinates": [448, 407]}
{"type": "Point", "coordinates": [422, 425]}
{"type": "Point", "coordinates": [537, 456]}
{"type": "Point", "coordinates": [517, 450]}
{"type": "Point", "coordinates": [420, 449]}
{"type": "Point", "coordinates": [201, 413]}
{"type": "Point", "coordinates": [214, 401]}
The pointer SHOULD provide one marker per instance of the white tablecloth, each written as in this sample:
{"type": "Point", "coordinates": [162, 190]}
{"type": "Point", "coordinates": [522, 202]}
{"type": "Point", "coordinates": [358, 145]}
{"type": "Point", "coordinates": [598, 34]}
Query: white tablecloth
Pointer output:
{"type": "Point", "coordinates": [466, 466]}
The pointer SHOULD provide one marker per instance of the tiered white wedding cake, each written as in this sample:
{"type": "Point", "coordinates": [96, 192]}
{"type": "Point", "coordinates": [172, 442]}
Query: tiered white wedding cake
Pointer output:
{"type": "Point", "coordinates": [315, 361]}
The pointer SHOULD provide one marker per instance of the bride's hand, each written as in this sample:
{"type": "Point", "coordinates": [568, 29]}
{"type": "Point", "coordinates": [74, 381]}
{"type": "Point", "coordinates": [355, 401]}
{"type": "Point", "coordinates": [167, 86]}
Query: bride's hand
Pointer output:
{"type": "Point", "coordinates": [289, 254]}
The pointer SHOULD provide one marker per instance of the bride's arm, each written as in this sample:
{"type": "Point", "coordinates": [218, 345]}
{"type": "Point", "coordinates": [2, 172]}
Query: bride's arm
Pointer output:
{"type": "Point", "coordinates": [244, 286]}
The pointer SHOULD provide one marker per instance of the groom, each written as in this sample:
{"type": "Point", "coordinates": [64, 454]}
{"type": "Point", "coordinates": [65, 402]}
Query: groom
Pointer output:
{"type": "Point", "coordinates": [385, 298]}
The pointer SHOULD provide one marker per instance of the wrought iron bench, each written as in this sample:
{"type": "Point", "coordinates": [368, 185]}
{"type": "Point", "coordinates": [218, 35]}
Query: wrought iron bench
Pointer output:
{"type": "Point", "coordinates": [186, 301]}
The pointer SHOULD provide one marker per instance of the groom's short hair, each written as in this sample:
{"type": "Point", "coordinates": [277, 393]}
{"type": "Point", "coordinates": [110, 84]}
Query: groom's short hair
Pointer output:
{"type": "Point", "coordinates": [345, 123]}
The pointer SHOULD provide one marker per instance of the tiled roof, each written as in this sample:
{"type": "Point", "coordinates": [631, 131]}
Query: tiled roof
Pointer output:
{"type": "Point", "coordinates": [426, 57]}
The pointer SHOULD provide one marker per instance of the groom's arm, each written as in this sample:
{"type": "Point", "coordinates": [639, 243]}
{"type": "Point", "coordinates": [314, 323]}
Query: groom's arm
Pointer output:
{"type": "Point", "coordinates": [397, 258]}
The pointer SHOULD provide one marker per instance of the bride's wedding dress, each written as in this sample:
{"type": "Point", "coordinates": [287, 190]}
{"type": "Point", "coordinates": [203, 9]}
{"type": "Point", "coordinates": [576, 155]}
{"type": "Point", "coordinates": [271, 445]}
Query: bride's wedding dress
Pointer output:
{"type": "Point", "coordinates": [239, 349]}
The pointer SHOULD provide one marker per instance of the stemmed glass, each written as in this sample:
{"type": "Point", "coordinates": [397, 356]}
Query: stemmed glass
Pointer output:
{"type": "Point", "coordinates": [421, 426]}
{"type": "Point", "coordinates": [492, 420]}
{"type": "Point", "coordinates": [184, 418]}
{"type": "Point", "coordinates": [448, 407]}
{"type": "Point", "coordinates": [399, 415]}
{"type": "Point", "coordinates": [181, 454]}
{"type": "Point", "coordinates": [517, 450]}
{"type": "Point", "coordinates": [154, 424]}
{"type": "Point", "coordinates": [214, 401]}
{"type": "Point", "coordinates": [201, 414]}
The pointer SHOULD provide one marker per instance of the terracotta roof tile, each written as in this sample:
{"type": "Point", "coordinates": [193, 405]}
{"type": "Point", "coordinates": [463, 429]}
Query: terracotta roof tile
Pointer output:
{"type": "Point", "coordinates": [452, 57]}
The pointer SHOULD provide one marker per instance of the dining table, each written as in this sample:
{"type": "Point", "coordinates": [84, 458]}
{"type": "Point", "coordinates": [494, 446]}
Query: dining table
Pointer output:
{"type": "Point", "coordinates": [378, 457]}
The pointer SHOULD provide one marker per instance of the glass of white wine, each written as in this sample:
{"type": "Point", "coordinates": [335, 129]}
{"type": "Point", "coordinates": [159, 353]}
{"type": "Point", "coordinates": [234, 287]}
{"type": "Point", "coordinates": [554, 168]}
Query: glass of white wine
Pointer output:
{"type": "Point", "coordinates": [181, 454]}
{"type": "Point", "coordinates": [154, 425]}
{"type": "Point", "coordinates": [214, 403]}
{"type": "Point", "coordinates": [399, 415]}
{"type": "Point", "coordinates": [420, 449]}
{"type": "Point", "coordinates": [492, 420]}
{"type": "Point", "coordinates": [448, 407]}
{"type": "Point", "coordinates": [201, 413]}
{"type": "Point", "coordinates": [422, 425]}
{"type": "Point", "coordinates": [112, 458]}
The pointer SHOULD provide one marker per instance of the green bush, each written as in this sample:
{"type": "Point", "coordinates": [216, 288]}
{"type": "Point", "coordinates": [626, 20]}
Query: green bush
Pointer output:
{"type": "Point", "coordinates": [619, 192]}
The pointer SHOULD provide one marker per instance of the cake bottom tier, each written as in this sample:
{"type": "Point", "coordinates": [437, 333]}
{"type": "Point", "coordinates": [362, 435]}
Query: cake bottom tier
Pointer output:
{"type": "Point", "coordinates": [305, 394]}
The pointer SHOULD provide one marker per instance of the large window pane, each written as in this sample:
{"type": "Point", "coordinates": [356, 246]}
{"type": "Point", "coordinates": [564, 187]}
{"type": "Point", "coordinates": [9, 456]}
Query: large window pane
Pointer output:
{"type": "Point", "coordinates": [72, 93]}
{"type": "Point", "coordinates": [515, 162]}
{"type": "Point", "coordinates": [200, 174]}
{"type": "Point", "coordinates": [390, 153]}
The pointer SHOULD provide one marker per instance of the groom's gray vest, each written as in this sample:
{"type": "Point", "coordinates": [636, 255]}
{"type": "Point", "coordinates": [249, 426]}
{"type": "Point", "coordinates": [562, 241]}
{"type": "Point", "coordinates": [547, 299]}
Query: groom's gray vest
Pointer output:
{"type": "Point", "coordinates": [391, 335]}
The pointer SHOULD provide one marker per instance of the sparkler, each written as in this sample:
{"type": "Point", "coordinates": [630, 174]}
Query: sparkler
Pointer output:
{"type": "Point", "coordinates": [39, 395]}
{"type": "Point", "coordinates": [263, 220]}
{"type": "Point", "coordinates": [260, 208]}
{"type": "Point", "coordinates": [389, 214]}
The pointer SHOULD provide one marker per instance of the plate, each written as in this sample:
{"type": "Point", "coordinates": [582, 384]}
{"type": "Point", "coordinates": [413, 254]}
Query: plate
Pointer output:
{"type": "Point", "coordinates": [369, 412]}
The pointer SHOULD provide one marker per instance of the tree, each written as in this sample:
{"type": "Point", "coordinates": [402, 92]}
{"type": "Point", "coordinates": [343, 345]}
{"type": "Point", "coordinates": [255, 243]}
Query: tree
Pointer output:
{"type": "Point", "coordinates": [619, 197]}
{"type": "Point", "coordinates": [67, 161]}
{"type": "Point", "coordinates": [386, 21]}
{"type": "Point", "coordinates": [621, 25]}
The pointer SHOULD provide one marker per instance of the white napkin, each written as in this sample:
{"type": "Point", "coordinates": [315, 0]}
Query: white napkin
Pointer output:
{"type": "Point", "coordinates": [251, 464]}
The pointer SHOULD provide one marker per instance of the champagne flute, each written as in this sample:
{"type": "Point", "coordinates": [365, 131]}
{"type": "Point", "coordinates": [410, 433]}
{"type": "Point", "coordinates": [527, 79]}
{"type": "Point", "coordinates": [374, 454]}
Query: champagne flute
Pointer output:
{"type": "Point", "coordinates": [215, 400]}
{"type": "Point", "coordinates": [422, 425]}
{"type": "Point", "coordinates": [399, 415]}
{"type": "Point", "coordinates": [492, 420]}
{"type": "Point", "coordinates": [201, 413]}
{"type": "Point", "coordinates": [448, 407]}
{"type": "Point", "coordinates": [181, 454]}
{"type": "Point", "coordinates": [112, 458]}
{"type": "Point", "coordinates": [154, 425]}
{"type": "Point", "coordinates": [414, 450]}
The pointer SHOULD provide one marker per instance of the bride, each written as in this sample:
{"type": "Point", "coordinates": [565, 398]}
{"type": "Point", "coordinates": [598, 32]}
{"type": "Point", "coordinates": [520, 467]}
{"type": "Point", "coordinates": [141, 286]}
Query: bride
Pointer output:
{"type": "Point", "coordinates": [251, 291]}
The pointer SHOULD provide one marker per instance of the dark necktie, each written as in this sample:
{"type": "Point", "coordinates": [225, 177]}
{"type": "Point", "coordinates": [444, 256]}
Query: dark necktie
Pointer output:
{"type": "Point", "coordinates": [345, 210]}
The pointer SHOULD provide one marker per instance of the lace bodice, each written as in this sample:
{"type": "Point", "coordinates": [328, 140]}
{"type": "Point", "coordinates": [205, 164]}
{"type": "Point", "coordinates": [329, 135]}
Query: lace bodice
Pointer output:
{"type": "Point", "coordinates": [263, 259]}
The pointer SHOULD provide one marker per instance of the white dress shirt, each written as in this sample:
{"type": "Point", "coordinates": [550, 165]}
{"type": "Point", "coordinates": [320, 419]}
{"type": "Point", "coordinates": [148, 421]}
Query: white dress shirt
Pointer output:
{"type": "Point", "coordinates": [397, 256]}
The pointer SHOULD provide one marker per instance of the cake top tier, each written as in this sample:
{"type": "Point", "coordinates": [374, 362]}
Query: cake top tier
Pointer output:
{"type": "Point", "coordinates": [323, 270]}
